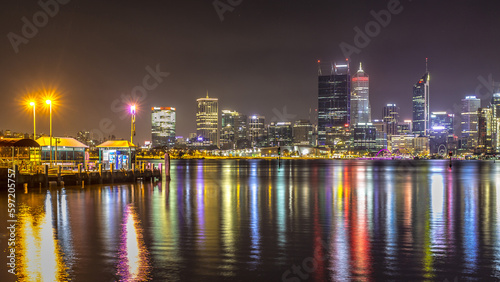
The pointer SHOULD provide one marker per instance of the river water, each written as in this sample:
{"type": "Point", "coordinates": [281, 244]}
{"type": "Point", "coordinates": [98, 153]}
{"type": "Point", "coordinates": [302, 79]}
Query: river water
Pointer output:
{"type": "Point", "coordinates": [251, 220]}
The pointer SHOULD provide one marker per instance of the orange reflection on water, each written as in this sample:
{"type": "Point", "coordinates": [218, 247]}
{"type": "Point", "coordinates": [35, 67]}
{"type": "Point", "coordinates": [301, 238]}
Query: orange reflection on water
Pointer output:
{"type": "Point", "coordinates": [39, 254]}
{"type": "Point", "coordinates": [133, 263]}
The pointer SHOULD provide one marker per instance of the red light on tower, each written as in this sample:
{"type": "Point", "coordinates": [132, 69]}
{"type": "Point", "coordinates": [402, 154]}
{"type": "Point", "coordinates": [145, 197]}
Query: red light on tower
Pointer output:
{"type": "Point", "coordinates": [319, 61]}
{"type": "Point", "coordinates": [346, 125]}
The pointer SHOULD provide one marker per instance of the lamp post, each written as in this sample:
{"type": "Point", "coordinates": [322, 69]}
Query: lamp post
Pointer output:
{"type": "Point", "coordinates": [132, 126]}
{"type": "Point", "coordinates": [50, 117]}
{"type": "Point", "coordinates": [34, 120]}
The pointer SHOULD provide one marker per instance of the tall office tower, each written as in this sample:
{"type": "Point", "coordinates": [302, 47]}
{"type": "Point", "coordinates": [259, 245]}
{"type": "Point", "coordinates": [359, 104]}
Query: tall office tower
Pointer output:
{"type": "Point", "coordinates": [279, 134]}
{"type": "Point", "coordinates": [391, 119]}
{"type": "Point", "coordinates": [303, 132]}
{"type": "Point", "coordinates": [484, 130]}
{"type": "Point", "coordinates": [334, 98]}
{"type": "Point", "coordinates": [256, 130]}
{"type": "Point", "coordinates": [421, 104]}
{"type": "Point", "coordinates": [241, 131]}
{"type": "Point", "coordinates": [360, 99]}
{"type": "Point", "coordinates": [207, 119]}
{"type": "Point", "coordinates": [495, 105]}
{"type": "Point", "coordinates": [162, 127]}
{"type": "Point", "coordinates": [228, 131]}
{"type": "Point", "coordinates": [470, 105]}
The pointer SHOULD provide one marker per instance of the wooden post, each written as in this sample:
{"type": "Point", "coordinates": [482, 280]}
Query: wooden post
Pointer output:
{"type": "Point", "coordinates": [167, 166]}
{"type": "Point", "coordinates": [112, 175]}
{"type": "Point", "coordinates": [46, 172]}
{"type": "Point", "coordinates": [100, 173]}
{"type": "Point", "coordinates": [80, 172]}
{"type": "Point", "coordinates": [59, 175]}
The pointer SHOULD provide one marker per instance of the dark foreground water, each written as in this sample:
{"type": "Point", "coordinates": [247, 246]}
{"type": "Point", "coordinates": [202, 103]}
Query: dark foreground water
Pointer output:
{"type": "Point", "coordinates": [254, 221]}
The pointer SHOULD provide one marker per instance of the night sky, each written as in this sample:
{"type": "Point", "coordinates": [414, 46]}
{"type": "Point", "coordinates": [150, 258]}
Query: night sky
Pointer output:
{"type": "Point", "coordinates": [262, 56]}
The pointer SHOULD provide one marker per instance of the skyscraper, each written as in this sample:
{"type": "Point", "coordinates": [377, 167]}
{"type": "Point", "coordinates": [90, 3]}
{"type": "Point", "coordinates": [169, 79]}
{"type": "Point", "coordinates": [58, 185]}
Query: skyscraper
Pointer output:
{"type": "Point", "coordinates": [421, 104]}
{"type": "Point", "coordinates": [228, 134]}
{"type": "Point", "coordinates": [162, 126]}
{"type": "Point", "coordinates": [360, 103]}
{"type": "Point", "coordinates": [495, 105]}
{"type": "Point", "coordinates": [391, 119]}
{"type": "Point", "coordinates": [334, 98]}
{"type": "Point", "coordinates": [256, 130]}
{"type": "Point", "coordinates": [484, 130]}
{"type": "Point", "coordinates": [470, 105]}
{"type": "Point", "coordinates": [207, 119]}
{"type": "Point", "coordinates": [303, 133]}
{"type": "Point", "coordinates": [279, 134]}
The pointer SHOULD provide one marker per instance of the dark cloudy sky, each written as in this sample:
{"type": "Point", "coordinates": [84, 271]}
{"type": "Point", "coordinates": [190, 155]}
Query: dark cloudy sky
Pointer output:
{"type": "Point", "coordinates": [261, 57]}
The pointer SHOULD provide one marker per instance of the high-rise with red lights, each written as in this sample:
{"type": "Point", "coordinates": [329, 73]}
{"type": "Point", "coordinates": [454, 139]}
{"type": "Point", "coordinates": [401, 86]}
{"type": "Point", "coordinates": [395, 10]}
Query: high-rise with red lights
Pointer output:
{"type": "Point", "coordinates": [360, 99]}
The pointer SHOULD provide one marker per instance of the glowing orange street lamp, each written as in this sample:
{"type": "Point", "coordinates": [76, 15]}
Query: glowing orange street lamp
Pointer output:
{"type": "Point", "coordinates": [50, 114]}
{"type": "Point", "coordinates": [34, 120]}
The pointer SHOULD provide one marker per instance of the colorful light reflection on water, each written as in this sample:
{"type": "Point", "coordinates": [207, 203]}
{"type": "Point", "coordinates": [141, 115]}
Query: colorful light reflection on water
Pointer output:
{"type": "Point", "coordinates": [254, 220]}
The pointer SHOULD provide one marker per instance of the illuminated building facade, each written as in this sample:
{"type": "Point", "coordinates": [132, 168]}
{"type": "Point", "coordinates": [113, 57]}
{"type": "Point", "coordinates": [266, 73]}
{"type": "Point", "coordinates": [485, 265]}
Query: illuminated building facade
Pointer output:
{"type": "Point", "coordinates": [495, 106]}
{"type": "Point", "coordinates": [228, 131]}
{"type": "Point", "coordinates": [162, 127]}
{"type": "Point", "coordinates": [207, 120]}
{"type": "Point", "coordinates": [391, 119]}
{"type": "Point", "coordinates": [470, 106]}
{"type": "Point", "coordinates": [303, 133]}
{"type": "Point", "coordinates": [421, 106]}
{"type": "Point", "coordinates": [365, 137]}
{"type": "Point", "coordinates": [360, 110]}
{"type": "Point", "coordinates": [334, 98]}
{"type": "Point", "coordinates": [441, 138]}
{"type": "Point", "coordinates": [280, 134]}
{"type": "Point", "coordinates": [484, 131]}
{"type": "Point", "coordinates": [256, 131]}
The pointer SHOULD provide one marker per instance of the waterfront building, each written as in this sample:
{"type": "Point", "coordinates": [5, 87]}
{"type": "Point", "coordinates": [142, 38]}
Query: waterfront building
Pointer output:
{"type": "Point", "coordinates": [163, 127]}
{"type": "Point", "coordinates": [365, 137]}
{"type": "Point", "coordinates": [441, 138]}
{"type": "Point", "coordinates": [119, 153]}
{"type": "Point", "coordinates": [360, 101]}
{"type": "Point", "coordinates": [207, 120]}
{"type": "Point", "coordinates": [484, 131]}
{"type": "Point", "coordinates": [63, 149]}
{"type": "Point", "coordinates": [228, 132]}
{"type": "Point", "coordinates": [404, 127]}
{"type": "Point", "coordinates": [470, 106]}
{"type": "Point", "coordinates": [495, 105]}
{"type": "Point", "coordinates": [420, 100]}
{"type": "Point", "coordinates": [256, 131]}
{"type": "Point", "coordinates": [279, 134]}
{"type": "Point", "coordinates": [334, 91]}
{"type": "Point", "coordinates": [241, 131]}
{"type": "Point", "coordinates": [401, 143]}
{"type": "Point", "coordinates": [303, 133]}
{"type": "Point", "coordinates": [391, 119]}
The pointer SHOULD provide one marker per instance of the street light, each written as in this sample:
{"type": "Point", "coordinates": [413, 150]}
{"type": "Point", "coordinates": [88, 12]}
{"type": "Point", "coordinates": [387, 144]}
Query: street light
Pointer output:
{"type": "Point", "coordinates": [132, 126]}
{"type": "Point", "coordinates": [34, 120]}
{"type": "Point", "coordinates": [50, 114]}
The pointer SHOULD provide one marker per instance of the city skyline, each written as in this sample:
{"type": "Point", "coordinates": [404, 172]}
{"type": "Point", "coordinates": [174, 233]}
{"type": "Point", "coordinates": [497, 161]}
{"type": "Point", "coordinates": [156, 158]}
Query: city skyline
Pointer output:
{"type": "Point", "coordinates": [232, 65]}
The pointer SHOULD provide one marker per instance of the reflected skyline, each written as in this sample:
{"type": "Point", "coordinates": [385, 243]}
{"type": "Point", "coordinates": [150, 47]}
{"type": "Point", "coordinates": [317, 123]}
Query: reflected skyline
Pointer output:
{"type": "Point", "coordinates": [244, 220]}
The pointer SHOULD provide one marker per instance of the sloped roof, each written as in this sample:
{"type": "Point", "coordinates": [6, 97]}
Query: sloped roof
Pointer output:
{"type": "Point", "coordinates": [17, 142]}
{"type": "Point", "coordinates": [116, 144]}
{"type": "Point", "coordinates": [63, 142]}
